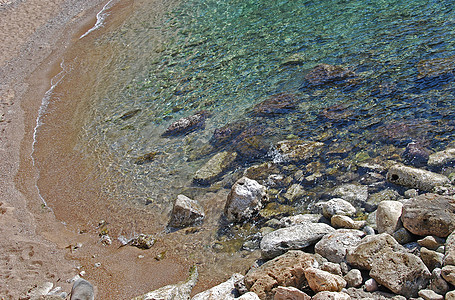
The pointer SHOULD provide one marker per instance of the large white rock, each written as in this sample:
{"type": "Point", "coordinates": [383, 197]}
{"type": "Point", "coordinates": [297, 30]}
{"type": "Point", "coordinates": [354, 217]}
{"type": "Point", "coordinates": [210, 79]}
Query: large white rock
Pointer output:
{"type": "Point", "coordinates": [415, 178]}
{"type": "Point", "coordinates": [334, 246]}
{"type": "Point", "coordinates": [337, 206]}
{"type": "Point", "coordinates": [388, 216]}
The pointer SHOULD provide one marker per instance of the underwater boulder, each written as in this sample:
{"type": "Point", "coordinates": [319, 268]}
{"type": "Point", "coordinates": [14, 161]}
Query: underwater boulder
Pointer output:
{"type": "Point", "coordinates": [223, 135]}
{"type": "Point", "coordinates": [187, 124]}
{"type": "Point", "coordinates": [281, 103]}
{"type": "Point", "coordinates": [325, 73]}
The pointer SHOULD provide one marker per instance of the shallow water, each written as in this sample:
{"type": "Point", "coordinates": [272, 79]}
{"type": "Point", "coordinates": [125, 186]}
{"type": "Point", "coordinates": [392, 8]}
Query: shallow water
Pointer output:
{"type": "Point", "coordinates": [130, 84]}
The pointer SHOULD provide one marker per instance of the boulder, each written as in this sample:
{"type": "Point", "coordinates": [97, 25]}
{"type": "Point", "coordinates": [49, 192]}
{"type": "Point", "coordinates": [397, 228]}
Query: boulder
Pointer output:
{"type": "Point", "coordinates": [225, 290]}
{"type": "Point", "coordinates": [338, 221]}
{"type": "Point", "coordinates": [356, 194]}
{"type": "Point", "coordinates": [187, 124]}
{"type": "Point", "coordinates": [331, 296]}
{"type": "Point", "coordinates": [186, 212]}
{"type": "Point", "coordinates": [415, 178]}
{"type": "Point", "coordinates": [429, 214]}
{"type": "Point", "coordinates": [430, 295]}
{"type": "Point", "coordinates": [416, 154]}
{"type": "Point", "coordinates": [442, 158]}
{"type": "Point", "coordinates": [320, 280]}
{"type": "Point", "coordinates": [285, 270]}
{"type": "Point", "coordinates": [431, 259]}
{"type": "Point", "coordinates": [449, 256]}
{"type": "Point", "coordinates": [278, 104]}
{"type": "Point", "coordinates": [294, 151]}
{"type": "Point", "coordinates": [388, 216]}
{"type": "Point", "coordinates": [334, 246]}
{"type": "Point", "coordinates": [289, 293]}
{"type": "Point", "coordinates": [324, 73]}
{"type": "Point", "coordinates": [370, 249]}
{"type": "Point", "coordinates": [448, 273]}
{"type": "Point", "coordinates": [174, 291]}
{"type": "Point", "coordinates": [245, 200]}
{"type": "Point", "coordinates": [251, 144]}
{"type": "Point", "coordinates": [437, 283]}
{"type": "Point", "coordinates": [353, 278]}
{"type": "Point", "coordinates": [337, 206]}
{"type": "Point", "coordinates": [224, 135]}
{"type": "Point", "coordinates": [402, 273]}
{"type": "Point", "coordinates": [215, 167]}
{"type": "Point", "coordinates": [292, 238]}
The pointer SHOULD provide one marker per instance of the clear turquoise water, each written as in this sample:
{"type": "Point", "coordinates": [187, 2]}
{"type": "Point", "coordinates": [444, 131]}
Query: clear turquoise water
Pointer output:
{"type": "Point", "coordinates": [227, 56]}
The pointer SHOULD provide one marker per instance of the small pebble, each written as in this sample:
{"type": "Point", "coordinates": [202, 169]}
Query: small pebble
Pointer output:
{"type": "Point", "coordinates": [97, 265]}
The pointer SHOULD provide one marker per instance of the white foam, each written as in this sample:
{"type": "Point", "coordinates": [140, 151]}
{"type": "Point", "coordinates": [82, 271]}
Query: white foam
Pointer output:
{"type": "Point", "coordinates": [100, 18]}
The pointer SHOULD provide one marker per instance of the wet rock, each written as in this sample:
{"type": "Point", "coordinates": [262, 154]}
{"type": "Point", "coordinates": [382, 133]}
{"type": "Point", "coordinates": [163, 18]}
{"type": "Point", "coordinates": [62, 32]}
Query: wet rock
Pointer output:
{"type": "Point", "coordinates": [449, 257]}
{"type": "Point", "coordinates": [37, 291]}
{"type": "Point", "coordinates": [416, 155]}
{"type": "Point", "coordinates": [262, 171]}
{"type": "Point", "coordinates": [334, 246]}
{"type": "Point", "coordinates": [331, 296]}
{"type": "Point", "coordinates": [289, 293]}
{"type": "Point", "coordinates": [320, 280]}
{"type": "Point", "coordinates": [130, 114]}
{"type": "Point", "coordinates": [174, 291]}
{"type": "Point", "coordinates": [415, 178]}
{"type": "Point", "coordinates": [430, 295]}
{"type": "Point", "coordinates": [431, 259]}
{"type": "Point", "coordinates": [245, 200]}
{"type": "Point", "coordinates": [448, 273]}
{"type": "Point", "coordinates": [294, 59]}
{"type": "Point", "coordinates": [388, 216]}
{"type": "Point", "coordinates": [295, 237]}
{"type": "Point", "coordinates": [295, 151]}
{"type": "Point", "coordinates": [225, 290]}
{"type": "Point", "coordinates": [142, 241]}
{"type": "Point", "coordinates": [186, 212]}
{"type": "Point", "coordinates": [356, 194]}
{"type": "Point", "coordinates": [431, 69]}
{"type": "Point", "coordinates": [146, 158]}
{"type": "Point", "coordinates": [285, 270]}
{"type": "Point", "coordinates": [338, 221]}
{"type": "Point", "coordinates": [281, 103]}
{"type": "Point", "coordinates": [371, 285]}
{"type": "Point", "coordinates": [429, 214]}
{"type": "Point", "coordinates": [431, 242]}
{"type": "Point", "coordinates": [187, 124]}
{"type": "Point", "coordinates": [332, 268]}
{"type": "Point", "coordinates": [442, 158]}
{"type": "Point", "coordinates": [336, 112]}
{"type": "Point", "coordinates": [251, 144]}
{"type": "Point", "coordinates": [324, 73]}
{"type": "Point", "coordinates": [215, 167]}
{"type": "Point", "coordinates": [223, 135]}
{"type": "Point", "coordinates": [337, 206]}
{"type": "Point", "coordinates": [437, 283]}
{"type": "Point", "coordinates": [295, 192]}
{"type": "Point", "coordinates": [353, 278]}
{"type": "Point", "coordinates": [370, 249]}
{"type": "Point", "coordinates": [376, 198]}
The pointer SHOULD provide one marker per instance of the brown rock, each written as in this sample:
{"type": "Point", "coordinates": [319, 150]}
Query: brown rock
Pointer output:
{"type": "Point", "coordinates": [449, 257]}
{"type": "Point", "coordinates": [325, 73]}
{"type": "Point", "coordinates": [448, 273]}
{"type": "Point", "coordinates": [431, 259]}
{"type": "Point", "coordinates": [289, 293]}
{"type": "Point", "coordinates": [319, 280]}
{"type": "Point", "coordinates": [187, 124]}
{"type": "Point", "coordinates": [277, 104]}
{"type": "Point", "coordinates": [331, 296]}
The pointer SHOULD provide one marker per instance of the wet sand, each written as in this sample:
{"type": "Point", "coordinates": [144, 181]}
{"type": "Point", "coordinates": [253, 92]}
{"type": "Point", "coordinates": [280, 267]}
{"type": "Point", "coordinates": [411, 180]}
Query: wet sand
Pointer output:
{"type": "Point", "coordinates": [38, 241]}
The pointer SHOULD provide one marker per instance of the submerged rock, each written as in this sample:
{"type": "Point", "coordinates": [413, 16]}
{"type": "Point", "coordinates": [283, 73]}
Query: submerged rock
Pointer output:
{"type": "Point", "coordinates": [186, 212]}
{"type": "Point", "coordinates": [416, 154]}
{"type": "Point", "coordinates": [245, 200]}
{"type": "Point", "coordinates": [223, 135]}
{"type": "Point", "coordinates": [187, 124]}
{"type": "Point", "coordinates": [415, 178]}
{"type": "Point", "coordinates": [324, 73]}
{"type": "Point", "coordinates": [442, 158]}
{"type": "Point", "coordinates": [130, 114]}
{"type": "Point", "coordinates": [356, 194]}
{"type": "Point", "coordinates": [215, 167]}
{"type": "Point", "coordinates": [298, 150]}
{"type": "Point", "coordinates": [149, 157]}
{"type": "Point", "coordinates": [275, 105]}
{"type": "Point", "coordinates": [432, 68]}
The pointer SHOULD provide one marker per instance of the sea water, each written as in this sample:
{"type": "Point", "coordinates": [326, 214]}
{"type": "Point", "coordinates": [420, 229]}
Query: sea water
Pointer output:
{"type": "Point", "coordinates": [227, 56]}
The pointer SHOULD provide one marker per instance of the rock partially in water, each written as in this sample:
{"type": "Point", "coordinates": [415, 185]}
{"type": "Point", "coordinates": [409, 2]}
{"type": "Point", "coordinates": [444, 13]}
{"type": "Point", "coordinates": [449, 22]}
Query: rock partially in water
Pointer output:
{"type": "Point", "coordinates": [415, 178]}
{"type": "Point", "coordinates": [187, 124]}
{"type": "Point", "coordinates": [296, 151]}
{"type": "Point", "coordinates": [431, 69]}
{"type": "Point", "coordinates": [174, 291]}
{"type": "Point", "coordinates": [186, 212]}
{"type": "Point", "coordinates": [376, 198]}
{"type": "Point", "coordinates": [292, 238]}
{"type": "Point", "coordinates": [416, 154]}
{"type": "Point", "coordinates": [320, 280]}
{"type": "Point", "coordinates": [429, 214]}
{"type": "Point", "coordinates": [285, 270]}
{"type": "Point", "coordinates": [251, 144]}
{"type": "Point", "coordinates": [275, 105]}
{"type": "Point", "coordinates": [245, 200]}
{"type": "Point", "coordinates": [442, 158]}
{"type": "Point", "coordinates": [324, 73]}
{"type": "Point", "coordinates": [335, 245]}
{"type": "Point", "coordinates": [262, 171]}
{"type": "Point", "coordinates": [215, 167]}
{"type": "Point", "coordinates": [225, 290]}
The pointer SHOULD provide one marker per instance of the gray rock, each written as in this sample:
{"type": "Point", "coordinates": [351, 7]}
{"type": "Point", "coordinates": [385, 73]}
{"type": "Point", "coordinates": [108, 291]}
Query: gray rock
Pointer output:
{"type": "Point", "coordinates": [331, 296]}
{"type": "Point", "coordinates": [371, 285]}
{"type": "Point", "coordinates": [369, 230]}
{"type": "Point", "coordinates": [448, 273]}
{"type": "Point", "coordinates": [429, 214]}
{"type": "Point", "coordinates": [289, 293]}
{"type": "Point", "coordinates": [215, 167]}
{"type": "Point", "coordinates": [335, 245]}
{"type": "Point", "coordinates": [225, 290]}
{"type": "Point", "coordinates": [295, 237]}
{"type": "Point", "coordinates": [297, 150]}
{"type": "Point", "coordinates": [294, 192]}
{"type": "Point", "coordinates": [82, 290]}
{"type": "Point", "coordinates": [431, 259]}
{"type": "Point", "coordinates": [403, 236]}
{"type": "Point", "coordinates": [411, 193]}
{"type": "Point", "coordinates": [388, 216]}
{"type": "Point", "coordinates": [449, 257]}
{"type": "Point", "coordinates": [415, 178]}
{"type": "Point", "coordinates": [353, 278]}
{"type": "Point", "coordinates": [431, 242]}
{"type": "Point", "coordinates": [320, 280]}
{"type": "Point", "coordinates": [437, 283]}
{"type": "Point", "coordinates": [337, 206]}
{"type": "Point", "coordinates": [187, 124]}
{"type": "Point", "coordinates": [186, 212]}
{"type": "Point", "coordinates": [430, 295]}
{"type": "Point", "coordinates": [299, 219]}
{"type": "Point", "coordinates": [332, 268]}
{"type": "Point", "coordinates": [441, 158]}
{"type": "Point", "coordinates": [354, 193]}
{"type": "Point", "coordinates": [402, 273]}
{"type": "Point", "coordinates": [376, 198]}
{"type": "Point", "coordinates": [245, 200]}
{"type": "Point", "coordinates": [180, 291]}
{"type": "Point", "coordinates": [285, 270]}
{"type": "Point", "coordinates": [339, 221]}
